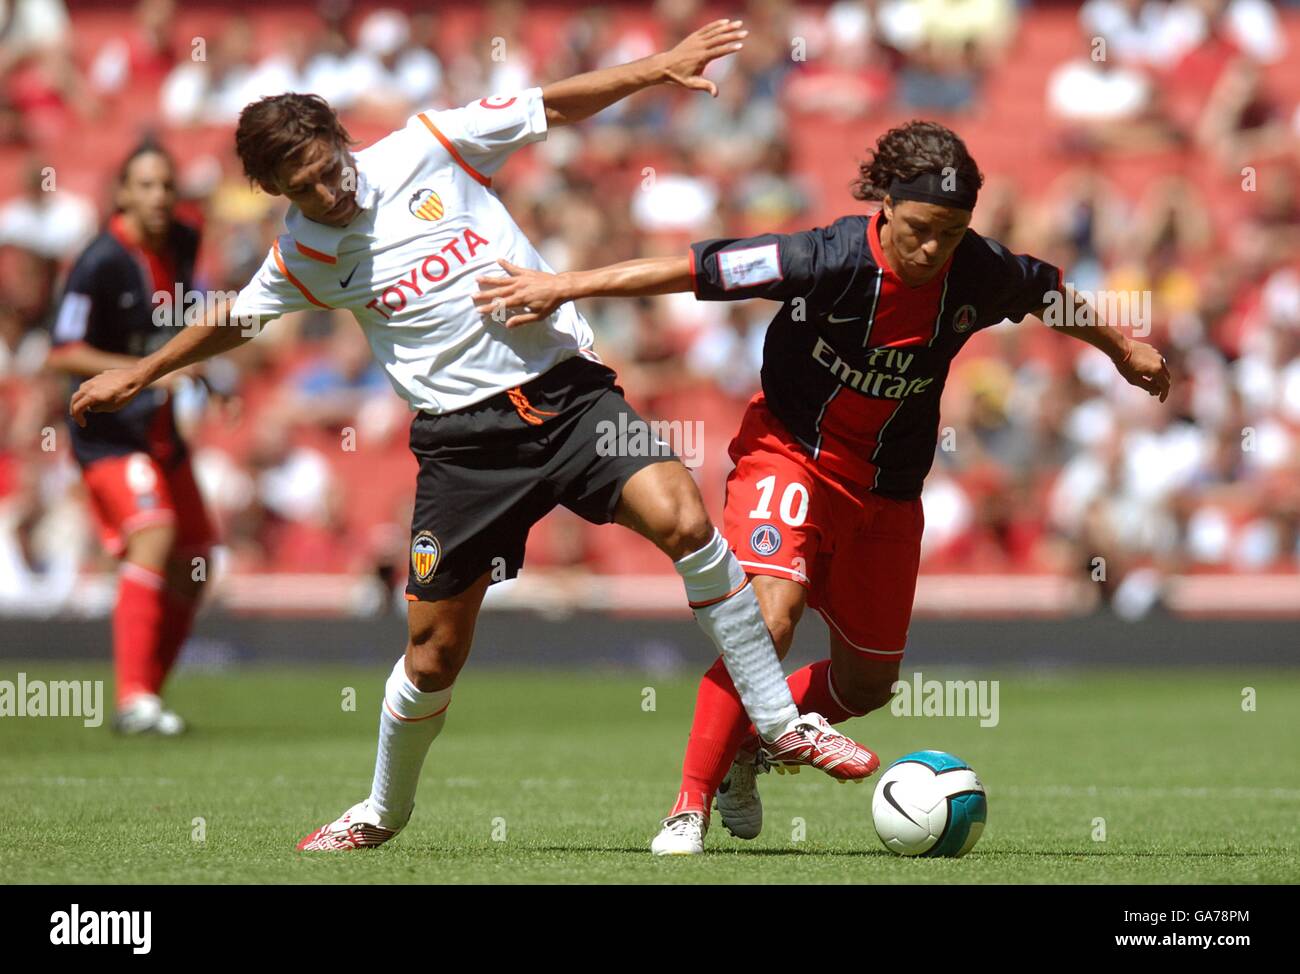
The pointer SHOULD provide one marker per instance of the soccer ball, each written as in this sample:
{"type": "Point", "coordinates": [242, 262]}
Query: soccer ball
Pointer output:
{"type": "Point", "coordinates": [929, 803]}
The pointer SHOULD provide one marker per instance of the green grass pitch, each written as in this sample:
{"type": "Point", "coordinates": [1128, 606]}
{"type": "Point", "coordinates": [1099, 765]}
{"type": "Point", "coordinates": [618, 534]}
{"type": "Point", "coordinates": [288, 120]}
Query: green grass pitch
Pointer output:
{"type": "Point", "coordinates": [562, 777]}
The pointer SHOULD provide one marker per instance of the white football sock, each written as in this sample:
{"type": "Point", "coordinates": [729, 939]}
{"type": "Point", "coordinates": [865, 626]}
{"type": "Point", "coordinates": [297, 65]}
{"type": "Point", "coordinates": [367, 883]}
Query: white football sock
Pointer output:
{"type": "Point", "coordinates": [727, 609]}
{"type": "Point", "coordinates": [409, 720]}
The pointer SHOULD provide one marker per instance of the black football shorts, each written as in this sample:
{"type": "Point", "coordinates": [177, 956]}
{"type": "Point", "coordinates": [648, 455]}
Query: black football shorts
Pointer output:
{"type": "Point", "coordinates": [492, 470]}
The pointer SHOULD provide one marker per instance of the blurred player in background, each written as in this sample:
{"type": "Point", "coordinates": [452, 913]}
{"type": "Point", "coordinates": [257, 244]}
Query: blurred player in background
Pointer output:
{"type": "Point", "coordinates": [508, 422]}
{"type": "Point", "coordinates": [136, 466]}
{"type": "Point", "coordinates": [824, 505]}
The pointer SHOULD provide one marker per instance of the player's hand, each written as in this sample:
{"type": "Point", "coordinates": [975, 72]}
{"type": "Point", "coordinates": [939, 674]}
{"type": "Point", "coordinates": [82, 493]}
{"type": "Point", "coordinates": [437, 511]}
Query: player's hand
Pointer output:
{"type": "Point", "coordinates": [537, 293]}
{"type": "Point", "coordinates": [685, 63]}
{"type": "Point", "coordinates": [1146, 368]}
{"type": "Point", "coordinates": [105, 393]}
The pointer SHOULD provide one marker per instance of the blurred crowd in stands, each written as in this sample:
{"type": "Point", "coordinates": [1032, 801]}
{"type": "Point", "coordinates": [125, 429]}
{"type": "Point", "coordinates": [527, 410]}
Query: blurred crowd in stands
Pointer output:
{"type": "Point", "coordinates": [1160, 149]}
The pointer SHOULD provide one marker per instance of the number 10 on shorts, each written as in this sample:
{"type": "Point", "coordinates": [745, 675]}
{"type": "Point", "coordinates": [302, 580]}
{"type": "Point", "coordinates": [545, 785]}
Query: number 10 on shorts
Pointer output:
{"type": "Point", "coordinates": [793, 506]}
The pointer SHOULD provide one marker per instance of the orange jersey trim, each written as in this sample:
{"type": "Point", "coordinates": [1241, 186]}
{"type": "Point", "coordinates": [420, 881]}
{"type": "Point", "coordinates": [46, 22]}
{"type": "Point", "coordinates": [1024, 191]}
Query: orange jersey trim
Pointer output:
{"type": "Point", "coordinates": [315, 254]}
{"type": "Point", "coordinates": [451, 150]}
{"type": "Point", "coordinates": [279, 262]}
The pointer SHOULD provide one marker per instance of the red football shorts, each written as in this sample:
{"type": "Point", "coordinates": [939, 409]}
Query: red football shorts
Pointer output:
{"type": "Point", "coordinates": [855, 552]}
{"type": "Point", "coordinates": [131, 492]}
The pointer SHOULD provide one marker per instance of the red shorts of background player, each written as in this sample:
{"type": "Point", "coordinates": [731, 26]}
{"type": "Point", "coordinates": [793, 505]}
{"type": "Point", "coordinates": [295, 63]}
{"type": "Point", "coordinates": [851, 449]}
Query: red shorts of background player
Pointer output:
{"type": "Point", "coordinates": [131, 492]}
{"type": "Point", "coordinates": [857, 554]}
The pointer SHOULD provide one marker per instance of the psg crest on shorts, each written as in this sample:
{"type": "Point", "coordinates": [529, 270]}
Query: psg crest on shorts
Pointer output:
{"type": "Point", "coordinates": [765, 540]}
{"type": "Point", "coordinates": [425, 552]}
{"type": "Point", "coordinates": [963, 318]}
{"type": "Point", "coordinates": [427, 205]}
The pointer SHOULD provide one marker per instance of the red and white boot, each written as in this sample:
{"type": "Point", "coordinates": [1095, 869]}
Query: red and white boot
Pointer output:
{"type": "Point", "coordinates": [357, 828]}
{"type": "Point", "coordinates": [810, 740]}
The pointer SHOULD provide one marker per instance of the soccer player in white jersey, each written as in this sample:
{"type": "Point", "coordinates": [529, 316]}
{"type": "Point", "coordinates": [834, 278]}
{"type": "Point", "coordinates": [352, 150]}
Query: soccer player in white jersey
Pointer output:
{"type": "Point", "coordinates": [507, 420]}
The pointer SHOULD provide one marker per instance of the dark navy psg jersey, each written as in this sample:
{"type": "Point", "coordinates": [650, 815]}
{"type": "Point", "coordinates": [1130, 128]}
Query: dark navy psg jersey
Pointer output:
{"type": "Point", "coordinates": [108, 303]}
{"type": "Point", "coordinates": [855, 361]}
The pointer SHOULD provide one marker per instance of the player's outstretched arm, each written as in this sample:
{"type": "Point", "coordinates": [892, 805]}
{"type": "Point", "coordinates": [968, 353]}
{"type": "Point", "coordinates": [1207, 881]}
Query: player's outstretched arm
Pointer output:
{"type": "Point", "coordinates": [536, 294]}
{"type": "Point", "coordinates": [583, 95]}
{"type": "Point", "coordinates": [1140, 364]}
{"type": "Point", "coordinates": [79, 358]}
{"type": "Point", "coordinates": [110, 391]}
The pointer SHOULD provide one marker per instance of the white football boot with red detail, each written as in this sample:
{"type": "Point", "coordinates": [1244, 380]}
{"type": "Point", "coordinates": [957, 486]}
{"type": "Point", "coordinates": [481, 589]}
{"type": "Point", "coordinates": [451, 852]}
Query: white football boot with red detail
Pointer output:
{"type": "Point", "coordinates": [357, 828]}
{"type": "Point", "coordinates": [811, 740]}
{"type": "Point", "coordinates": [739, 806]}
{"type": "Point", "coordinates": [682, 835]}
{"type": "Point", "coordinates": [144, 713]}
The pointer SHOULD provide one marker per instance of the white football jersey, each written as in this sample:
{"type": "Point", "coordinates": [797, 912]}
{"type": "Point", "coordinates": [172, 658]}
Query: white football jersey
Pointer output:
{"type": "Point", "coordinates": [406, 265]}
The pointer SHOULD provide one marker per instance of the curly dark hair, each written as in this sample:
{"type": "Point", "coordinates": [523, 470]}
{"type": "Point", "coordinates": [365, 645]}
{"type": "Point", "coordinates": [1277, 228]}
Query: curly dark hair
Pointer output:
{"type": "Point", "coordinates": [909, 150]}
{"type": "Point", "coordinates": [272, 129]}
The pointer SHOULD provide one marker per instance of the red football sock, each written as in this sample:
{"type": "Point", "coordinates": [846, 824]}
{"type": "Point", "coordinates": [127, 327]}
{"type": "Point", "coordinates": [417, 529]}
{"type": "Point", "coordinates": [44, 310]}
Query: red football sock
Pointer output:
{"type": "Point", "coordinates": [138, 632]}
{"type": "Point", "coordinates": [813, 689]}
{"type": "Point", "coordinates": [719, 726]}
{"type": "Point", "coordinates": [178, 621]}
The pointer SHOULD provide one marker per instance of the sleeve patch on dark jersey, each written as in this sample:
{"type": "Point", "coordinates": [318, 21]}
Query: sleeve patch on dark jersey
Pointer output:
{"type": "Point", "coordinates": [750, 266]}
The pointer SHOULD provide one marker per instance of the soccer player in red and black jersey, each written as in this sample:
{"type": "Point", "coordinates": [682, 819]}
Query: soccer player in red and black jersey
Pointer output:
{"type": "Point", "coordinates": [135, 464]}
{"type": "Point", "coordinates": [823, 508]}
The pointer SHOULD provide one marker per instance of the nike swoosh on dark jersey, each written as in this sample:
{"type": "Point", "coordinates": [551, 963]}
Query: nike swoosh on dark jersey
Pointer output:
{"type": "Point", "coordinates": [347, 280]}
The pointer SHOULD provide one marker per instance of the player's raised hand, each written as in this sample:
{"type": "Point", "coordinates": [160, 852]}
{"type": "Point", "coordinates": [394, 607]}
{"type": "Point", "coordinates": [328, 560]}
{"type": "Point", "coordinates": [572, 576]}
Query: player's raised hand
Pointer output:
{"type": "Point", "coordinates": [104, 393]}
{"type": "Point", "coordinates": [537, 293]}
{"type": "Point", "coordinates": [686, 62]}
{"type": "Point", "coordinates": [1146, 368]}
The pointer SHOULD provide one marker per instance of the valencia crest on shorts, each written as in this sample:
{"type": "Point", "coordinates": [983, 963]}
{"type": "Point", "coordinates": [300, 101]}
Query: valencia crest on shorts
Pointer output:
{"type": "Point", "coordinates": [488, 473]}
{"type": "Point", "coordinates": [425, 553]}
{"type": "Point", "coordinates": [766, 540]}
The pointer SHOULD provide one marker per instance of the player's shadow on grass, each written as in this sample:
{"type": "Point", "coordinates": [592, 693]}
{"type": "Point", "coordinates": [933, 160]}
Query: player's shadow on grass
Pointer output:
{"type": "Point", "coordinates": [642, 850]}
{"type": "Point", "coordinates": [1172, 854]}
{"type": "Point", "coordinates": [883, 854]}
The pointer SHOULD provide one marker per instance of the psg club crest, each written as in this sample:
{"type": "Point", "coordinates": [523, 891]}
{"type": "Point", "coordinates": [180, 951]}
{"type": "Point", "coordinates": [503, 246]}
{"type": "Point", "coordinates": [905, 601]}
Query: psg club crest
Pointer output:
{"type": "Point", "coordinates": [964, 318]}
{"type": "Point", "coordinates": [427, 205]}
{"type": "Point", "coordinates": [425, 552]}
{"type": "Point", "coordinates": [766, 540]}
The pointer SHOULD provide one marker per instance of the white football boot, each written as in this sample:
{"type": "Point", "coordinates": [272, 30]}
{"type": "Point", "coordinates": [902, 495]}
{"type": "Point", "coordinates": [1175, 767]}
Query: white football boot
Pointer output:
{"type": "Point", "coordinates": [360, 827]}
{"type": "Point", "coordinates": [145, 714]}
{"type": "Point", "coordinates": [738, 803]}
{"type": "Point", "coordinates": [681, 835]}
